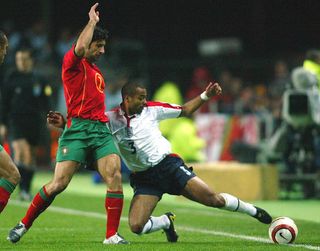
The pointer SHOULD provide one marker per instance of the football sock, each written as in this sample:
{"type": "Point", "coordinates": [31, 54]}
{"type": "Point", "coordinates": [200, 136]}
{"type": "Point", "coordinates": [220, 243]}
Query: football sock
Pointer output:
{"type": "Point", "coordinates": [113, 205]}
{"type": "Point", "coordinates": [39, 203]}
{"type": "Point", "coordinates": [235, 204]}
{"type": "Point", "coordinates": [155, 224]}
{"type": "Point", "coordinates": [6, 188]}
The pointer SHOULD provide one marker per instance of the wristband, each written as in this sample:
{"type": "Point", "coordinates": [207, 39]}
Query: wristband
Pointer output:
{"type": "Point", "coordinates": [204, 96]}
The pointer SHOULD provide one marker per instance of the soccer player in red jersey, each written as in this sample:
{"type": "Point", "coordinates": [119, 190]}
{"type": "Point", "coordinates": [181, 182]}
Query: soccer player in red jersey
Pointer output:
{"type": "Point", "coordinates": [85, 135]}
{"type": "Point", "coordinates": [9, 174]}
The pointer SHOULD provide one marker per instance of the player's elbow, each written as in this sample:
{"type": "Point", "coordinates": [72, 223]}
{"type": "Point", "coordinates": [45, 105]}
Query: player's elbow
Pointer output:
{"type": "Point", "coordinates": [80, 49]}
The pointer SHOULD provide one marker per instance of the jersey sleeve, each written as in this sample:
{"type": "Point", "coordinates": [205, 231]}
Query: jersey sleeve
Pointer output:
{"type": "Point", "coordinates": [71, 60]}
{"type": "Point", "coordinates": [164, 110]}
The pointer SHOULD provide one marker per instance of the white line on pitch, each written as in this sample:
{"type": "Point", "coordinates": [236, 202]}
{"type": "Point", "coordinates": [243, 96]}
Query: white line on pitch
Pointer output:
{"type": "Point", "coordinates": [70, 211]}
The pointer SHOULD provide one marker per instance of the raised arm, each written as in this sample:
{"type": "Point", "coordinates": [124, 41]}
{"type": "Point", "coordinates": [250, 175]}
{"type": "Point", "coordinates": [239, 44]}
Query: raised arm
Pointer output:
{"type": "Point", "coordinates": [85, 37]}
{"type": "Point", "coordinates": [194, 104]}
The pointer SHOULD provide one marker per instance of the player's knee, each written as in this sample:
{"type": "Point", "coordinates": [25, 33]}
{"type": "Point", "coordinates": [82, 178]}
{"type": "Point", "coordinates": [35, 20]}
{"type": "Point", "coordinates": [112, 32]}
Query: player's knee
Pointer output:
{"type": "Point", "coordinates": [218, 201]}
{"type": "Point", "coordinates": [136, 228]}
{"type": "Point", "coordinates": [16, 177]}
{"type": "Point", "coordinates": [214, 200]}
{"type": "Point", "coordinates": [114, 179]}
{"type": "Point", "coordinates": [13, 174]}
{"type": "Point", "coordinates": [117, 175]}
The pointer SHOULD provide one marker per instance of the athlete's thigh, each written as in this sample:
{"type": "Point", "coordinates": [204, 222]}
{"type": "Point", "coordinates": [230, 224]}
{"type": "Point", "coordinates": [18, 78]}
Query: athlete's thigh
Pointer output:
{"type": "Point", "coordinates": [8, 169]}
{"type": "Point", "coordinates": [141, 208]}
{"type": "Point", "coordinates": [197, 190]}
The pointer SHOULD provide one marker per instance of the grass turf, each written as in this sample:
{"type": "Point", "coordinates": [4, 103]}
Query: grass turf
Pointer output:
{"type": "Point", "coordinates": [76, 221]}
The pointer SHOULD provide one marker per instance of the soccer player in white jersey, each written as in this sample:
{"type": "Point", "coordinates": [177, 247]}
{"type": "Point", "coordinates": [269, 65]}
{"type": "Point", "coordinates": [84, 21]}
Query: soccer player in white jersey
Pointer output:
{"type": "Point", "coordinates": [155, 169]}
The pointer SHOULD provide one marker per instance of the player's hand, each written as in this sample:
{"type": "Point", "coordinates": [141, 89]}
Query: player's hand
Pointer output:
{"type": "Point", "coordinates": [55, 119]}
{"type": "Point", "coordinates": [213, 89]}
{"type": "Point", "coordinates": [94, 14]}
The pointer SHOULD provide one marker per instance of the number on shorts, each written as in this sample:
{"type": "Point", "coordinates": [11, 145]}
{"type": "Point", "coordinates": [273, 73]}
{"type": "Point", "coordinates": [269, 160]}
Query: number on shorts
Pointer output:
{"type": "Point", "coordinates": [185, 170]}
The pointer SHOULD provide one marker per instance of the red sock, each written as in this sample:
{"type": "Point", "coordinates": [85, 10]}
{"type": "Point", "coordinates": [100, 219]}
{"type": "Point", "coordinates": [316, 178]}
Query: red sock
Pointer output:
{"type": "Point", "coordinates": [113, 204]}
{"type": "Point", "coordinates": [6, 188]}
{"type": "Point", "coordinates": [39, 203]}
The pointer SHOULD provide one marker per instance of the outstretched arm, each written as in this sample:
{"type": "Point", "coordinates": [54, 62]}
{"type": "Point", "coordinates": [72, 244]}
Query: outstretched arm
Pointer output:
{"type": "Point", "coordinates": [56, 119]}
{"type": "Point", "coordinates": [194, 104]}
{"type": "Point", "coordinates": [85, 37]}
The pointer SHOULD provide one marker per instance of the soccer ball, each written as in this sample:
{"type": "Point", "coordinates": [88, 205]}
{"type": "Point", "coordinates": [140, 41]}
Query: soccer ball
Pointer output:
{"type": "Point", "coordinates": [283, 230]}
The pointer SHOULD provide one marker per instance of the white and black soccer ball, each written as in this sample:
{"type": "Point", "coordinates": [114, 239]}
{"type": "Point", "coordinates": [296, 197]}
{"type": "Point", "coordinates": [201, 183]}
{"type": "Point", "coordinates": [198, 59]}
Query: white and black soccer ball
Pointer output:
{"type": "Point", "coordinates": [283, 230]}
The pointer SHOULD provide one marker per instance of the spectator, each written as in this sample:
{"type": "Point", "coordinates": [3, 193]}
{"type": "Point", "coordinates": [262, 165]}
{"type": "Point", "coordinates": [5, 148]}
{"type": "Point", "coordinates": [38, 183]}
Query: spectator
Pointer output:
{"type": "Point", "coordinates": [312, 63]}
{"type": "Point", "coordinates": [26, 97]}
{"type": "Point", "coordinates": [276, 88]}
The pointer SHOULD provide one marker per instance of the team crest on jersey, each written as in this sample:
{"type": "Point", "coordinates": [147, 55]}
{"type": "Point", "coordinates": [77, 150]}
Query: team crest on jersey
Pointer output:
{"type": "Point", "coordinates": [98, 79]}
{"type": "Point", "coordinates": [65, 150]}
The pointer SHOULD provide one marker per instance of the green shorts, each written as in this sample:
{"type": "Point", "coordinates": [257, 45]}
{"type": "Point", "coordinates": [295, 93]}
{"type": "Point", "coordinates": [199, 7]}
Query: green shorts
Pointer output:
{"type": "Point", "coordinates": [85, 140]}
{"type": "Point", "coordinates": [1, 148]}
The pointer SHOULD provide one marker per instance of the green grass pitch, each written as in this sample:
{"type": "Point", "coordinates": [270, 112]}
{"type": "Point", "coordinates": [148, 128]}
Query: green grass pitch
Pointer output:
{"type": "Point", "coordinates": [76, 221]}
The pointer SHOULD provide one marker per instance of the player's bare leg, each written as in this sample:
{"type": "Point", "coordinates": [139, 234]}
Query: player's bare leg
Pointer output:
{"type": "Point", "coordinates": [109, 168]}
{"type": "Point", "coordinates": [63, 174]}
{"type": "Point", "coordinates": [199, 191]}
{"type": "Point", "coordinates": [9, 178]}
{"type": "Point", "coordinates": [141, 221]}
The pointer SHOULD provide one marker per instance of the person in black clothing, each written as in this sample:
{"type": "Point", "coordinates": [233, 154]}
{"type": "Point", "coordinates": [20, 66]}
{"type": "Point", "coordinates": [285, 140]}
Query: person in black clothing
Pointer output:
{"type": "Point", "coordinates": [25, 96]}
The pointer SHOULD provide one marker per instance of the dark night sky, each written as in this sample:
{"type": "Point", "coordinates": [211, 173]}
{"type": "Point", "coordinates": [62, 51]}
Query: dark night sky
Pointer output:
{"type": "Point", "coordinates": [172, 28]}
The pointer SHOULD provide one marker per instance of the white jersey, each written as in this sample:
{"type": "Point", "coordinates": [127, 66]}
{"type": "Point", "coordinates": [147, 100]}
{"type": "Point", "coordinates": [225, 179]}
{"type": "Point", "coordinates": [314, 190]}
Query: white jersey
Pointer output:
{"type": "Point", "coordinates": [138, 137]}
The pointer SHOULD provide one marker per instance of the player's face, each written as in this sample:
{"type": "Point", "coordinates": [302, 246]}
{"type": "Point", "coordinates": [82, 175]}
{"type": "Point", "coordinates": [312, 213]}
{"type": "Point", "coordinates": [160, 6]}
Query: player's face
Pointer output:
{"type": "Point", "coordinates": [138, 101]}
{"type": "Point", "coordinates": [3, 50]}
{"type": "Point", "coordinates": [96, 49]}
{"type": "Point", "coordinates": [24, 61]}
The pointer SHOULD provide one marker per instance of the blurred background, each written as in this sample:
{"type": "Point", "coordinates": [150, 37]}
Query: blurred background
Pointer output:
{"type": "Point", "coordinates": [264, 117]}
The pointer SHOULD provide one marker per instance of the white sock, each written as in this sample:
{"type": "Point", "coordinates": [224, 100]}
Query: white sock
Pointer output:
{"type": "Point", "coordinates": [155, 224]}
{"type": "Point", "coordinates": [235, 204]}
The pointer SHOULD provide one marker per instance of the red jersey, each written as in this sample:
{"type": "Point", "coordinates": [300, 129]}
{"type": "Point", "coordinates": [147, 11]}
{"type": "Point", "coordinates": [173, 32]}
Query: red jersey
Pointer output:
{"type": "Point", "coordinates": [83, 86]}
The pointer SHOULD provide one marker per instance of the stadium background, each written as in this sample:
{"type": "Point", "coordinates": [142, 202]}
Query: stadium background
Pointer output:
{"type": "Point", "coordinates": [159, 41]}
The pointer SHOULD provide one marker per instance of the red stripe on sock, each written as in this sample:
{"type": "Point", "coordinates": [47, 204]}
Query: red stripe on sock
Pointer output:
{"type": "Point", "coordinates": [45, 191]}
{"type": "Point", "coordinates": [4, 197]}
{"type": "Point", "coordinates": [38, 205]}
{"type": "Point", "coordinates": [114, 209]}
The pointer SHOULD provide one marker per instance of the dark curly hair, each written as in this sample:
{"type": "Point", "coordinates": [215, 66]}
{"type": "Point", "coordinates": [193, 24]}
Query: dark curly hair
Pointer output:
{"type": "Point", "coordinates": [99, 34]}
{"type": "Point", "coordinates": [130, 87]}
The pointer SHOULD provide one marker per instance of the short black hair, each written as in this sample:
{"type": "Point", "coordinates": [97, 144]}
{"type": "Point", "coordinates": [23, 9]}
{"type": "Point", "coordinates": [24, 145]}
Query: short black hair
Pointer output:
{"type": "Point", "coordinates": [130, 87]}
{"type": "Point", "coordinates": [27, 50]}
{"type": "Point", "coordinates": [99, 34]}
{"type": "Point", "coordinates": [3, 38]}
